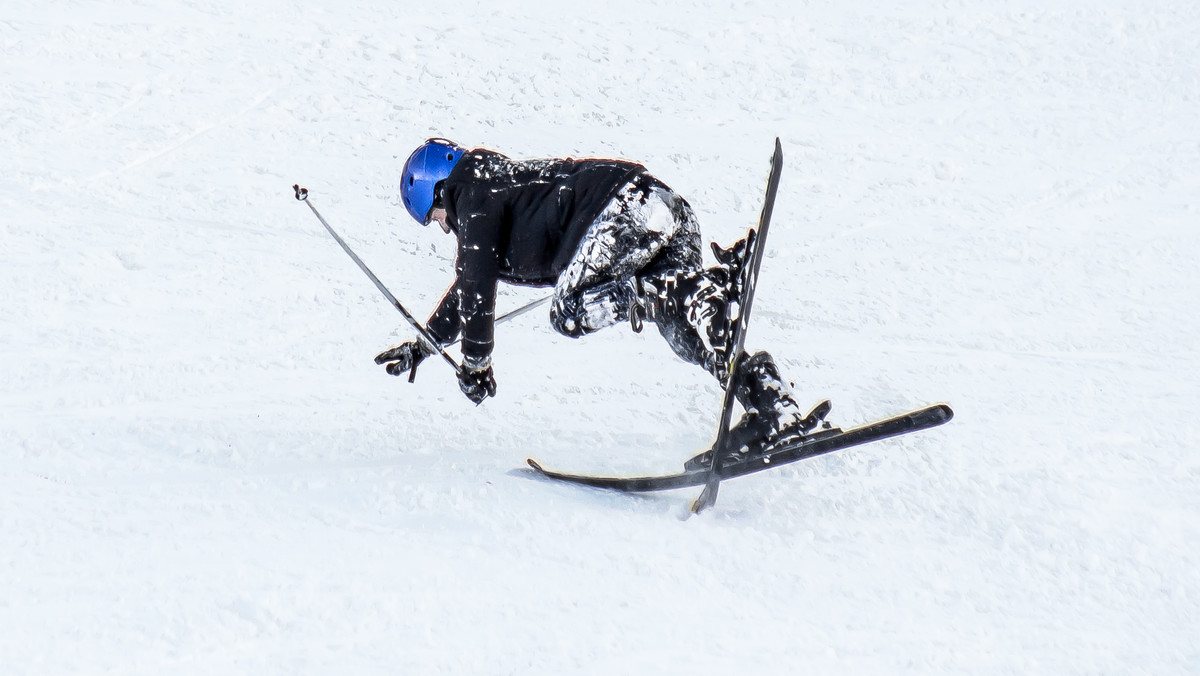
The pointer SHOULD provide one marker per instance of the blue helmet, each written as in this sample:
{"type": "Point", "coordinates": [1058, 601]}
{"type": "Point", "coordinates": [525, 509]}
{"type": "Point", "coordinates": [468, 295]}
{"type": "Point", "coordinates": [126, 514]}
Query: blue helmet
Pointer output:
{"type": "Point", "coordinates": [428, 165]}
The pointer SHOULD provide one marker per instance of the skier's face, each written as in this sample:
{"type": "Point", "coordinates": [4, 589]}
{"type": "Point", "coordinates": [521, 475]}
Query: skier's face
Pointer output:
{"type": "Point", "coordinates": [438, 214]}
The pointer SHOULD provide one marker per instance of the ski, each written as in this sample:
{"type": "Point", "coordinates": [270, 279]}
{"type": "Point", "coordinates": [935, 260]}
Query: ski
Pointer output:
{"type": "Point", "coordinates": [817, 443]}
{"type": "Point", "coordinates": [756, 239]}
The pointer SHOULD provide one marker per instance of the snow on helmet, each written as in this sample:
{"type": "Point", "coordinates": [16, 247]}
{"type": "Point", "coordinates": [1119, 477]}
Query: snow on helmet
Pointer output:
{"type": "Point", "coordinates": [427, 165]}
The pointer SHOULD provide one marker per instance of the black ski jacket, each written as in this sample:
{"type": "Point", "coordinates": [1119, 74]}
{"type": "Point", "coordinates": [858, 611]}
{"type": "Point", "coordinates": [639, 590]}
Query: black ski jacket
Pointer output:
{"type": "Point", "coordinates": [518, 222]}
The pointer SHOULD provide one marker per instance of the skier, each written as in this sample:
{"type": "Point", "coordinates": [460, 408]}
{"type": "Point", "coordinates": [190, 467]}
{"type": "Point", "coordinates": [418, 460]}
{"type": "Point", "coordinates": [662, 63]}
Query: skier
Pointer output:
{"type": "Point", "coordinates": [614, 242]}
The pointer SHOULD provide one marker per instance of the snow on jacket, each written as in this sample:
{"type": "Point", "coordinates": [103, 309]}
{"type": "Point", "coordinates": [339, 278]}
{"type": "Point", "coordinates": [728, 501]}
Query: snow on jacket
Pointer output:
{"type": "Point", "coordinates": [518, 221]}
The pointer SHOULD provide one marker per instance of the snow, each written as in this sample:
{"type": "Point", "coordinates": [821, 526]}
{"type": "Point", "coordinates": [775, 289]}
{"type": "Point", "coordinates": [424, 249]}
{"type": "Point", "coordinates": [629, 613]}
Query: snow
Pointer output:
{"type": "Point", "coordinates": [202, 471]}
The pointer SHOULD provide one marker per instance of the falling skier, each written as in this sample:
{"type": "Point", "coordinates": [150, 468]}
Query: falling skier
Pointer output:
{"type": "Point", "coordinates": [614, 242]}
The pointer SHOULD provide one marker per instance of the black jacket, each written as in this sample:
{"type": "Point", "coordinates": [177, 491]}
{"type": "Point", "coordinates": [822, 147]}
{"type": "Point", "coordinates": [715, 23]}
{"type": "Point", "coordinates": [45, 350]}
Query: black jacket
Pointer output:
{"type": "Point", "coordinates": [518, 222]}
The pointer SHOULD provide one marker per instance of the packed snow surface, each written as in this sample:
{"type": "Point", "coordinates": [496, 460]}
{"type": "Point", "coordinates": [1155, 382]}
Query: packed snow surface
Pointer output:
{"type": "Point", "coordinates": [202, 471]}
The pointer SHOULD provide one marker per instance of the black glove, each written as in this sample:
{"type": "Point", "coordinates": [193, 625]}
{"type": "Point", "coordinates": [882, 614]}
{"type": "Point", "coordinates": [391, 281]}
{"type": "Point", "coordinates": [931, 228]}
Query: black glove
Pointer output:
{"type": "Point", "coordinates": [476, 380]}
{"type": "Point", "coordinates": [403, 358]}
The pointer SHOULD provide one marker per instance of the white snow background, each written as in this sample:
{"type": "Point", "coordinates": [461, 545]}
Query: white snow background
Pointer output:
{"type": "Point", "coordinates": [202, 471]}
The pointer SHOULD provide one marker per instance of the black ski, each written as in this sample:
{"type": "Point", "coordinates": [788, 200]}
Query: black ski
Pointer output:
{"type": "Point", "coordinates": [757, 241]}
{"type": "Point", "coordinates": [814, 444]}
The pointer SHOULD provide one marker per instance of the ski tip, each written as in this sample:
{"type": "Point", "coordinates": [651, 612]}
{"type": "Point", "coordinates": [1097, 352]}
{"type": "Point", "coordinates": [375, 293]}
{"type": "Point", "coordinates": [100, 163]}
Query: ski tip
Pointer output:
{"type": "Point", "coordinates": [534, 464]}
{"type": "Point", "coordinates": [946, 411]}
{"type": "Point", "coordinates": [934, 415]}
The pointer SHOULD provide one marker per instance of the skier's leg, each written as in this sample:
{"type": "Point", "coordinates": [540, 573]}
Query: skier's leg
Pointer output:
{"type": "Point", "coordinates": [688, 302]}
{"type": "Point", "coordinates": [638, 230]}
{"type": "Point", "coordinates": [645, 248]}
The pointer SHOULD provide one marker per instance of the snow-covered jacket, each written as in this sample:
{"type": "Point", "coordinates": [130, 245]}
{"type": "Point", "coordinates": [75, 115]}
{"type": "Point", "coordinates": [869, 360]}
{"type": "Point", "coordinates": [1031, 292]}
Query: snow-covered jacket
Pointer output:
{"type": "Point", "coordinates": [518, 222]}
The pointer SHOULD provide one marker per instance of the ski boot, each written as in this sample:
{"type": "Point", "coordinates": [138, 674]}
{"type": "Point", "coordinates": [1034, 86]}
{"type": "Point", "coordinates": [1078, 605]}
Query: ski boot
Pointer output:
{"type": "Point", "coordinates": [772, 419]}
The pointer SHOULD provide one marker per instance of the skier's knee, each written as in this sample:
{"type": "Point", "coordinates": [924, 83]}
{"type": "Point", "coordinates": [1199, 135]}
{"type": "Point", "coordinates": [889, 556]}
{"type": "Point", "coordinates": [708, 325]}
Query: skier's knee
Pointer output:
{"type": "Point", "coordinates": [566, 323]}
{"type": "Point", "coordinates": [585, 311]}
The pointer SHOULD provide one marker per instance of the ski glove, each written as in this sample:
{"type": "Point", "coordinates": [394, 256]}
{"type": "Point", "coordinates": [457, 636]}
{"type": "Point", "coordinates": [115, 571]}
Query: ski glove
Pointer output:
{"type": "Point", "coordinates": [476, 380]}
{"type": "Point", "coordinates": [404, 358]}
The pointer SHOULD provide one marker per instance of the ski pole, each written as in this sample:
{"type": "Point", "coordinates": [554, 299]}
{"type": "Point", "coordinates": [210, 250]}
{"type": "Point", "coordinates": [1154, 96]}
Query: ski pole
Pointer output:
{"type": "Point", "coordinates": [302, 195]}
{"type": "Point", "coordinates": [513, 314]}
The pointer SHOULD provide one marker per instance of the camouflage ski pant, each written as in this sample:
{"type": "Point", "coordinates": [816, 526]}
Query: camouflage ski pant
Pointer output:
{"type": "Point", "coordinates": [646, 230]}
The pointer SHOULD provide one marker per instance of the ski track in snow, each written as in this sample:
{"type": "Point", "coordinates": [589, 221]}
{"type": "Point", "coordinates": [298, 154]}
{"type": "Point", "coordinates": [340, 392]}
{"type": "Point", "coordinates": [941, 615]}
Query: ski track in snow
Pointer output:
{"type": "Point", "coordinates": [991, 204]}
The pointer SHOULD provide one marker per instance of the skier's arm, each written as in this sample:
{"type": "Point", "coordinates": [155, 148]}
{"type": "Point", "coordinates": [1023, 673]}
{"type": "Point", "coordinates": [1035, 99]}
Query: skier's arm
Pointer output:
{"type": "Point", "coordinates": [478, 268]}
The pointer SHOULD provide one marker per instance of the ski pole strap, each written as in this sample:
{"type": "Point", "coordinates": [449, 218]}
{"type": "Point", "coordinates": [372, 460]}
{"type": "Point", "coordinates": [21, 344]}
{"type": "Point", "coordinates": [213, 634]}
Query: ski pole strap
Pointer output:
{"type": "Point", "coordinates": [434, 346]}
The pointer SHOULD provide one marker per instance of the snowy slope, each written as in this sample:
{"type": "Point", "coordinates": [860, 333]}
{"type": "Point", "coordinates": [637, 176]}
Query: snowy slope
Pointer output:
{"type": "Point", "coordinates": [988, 203]}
